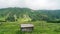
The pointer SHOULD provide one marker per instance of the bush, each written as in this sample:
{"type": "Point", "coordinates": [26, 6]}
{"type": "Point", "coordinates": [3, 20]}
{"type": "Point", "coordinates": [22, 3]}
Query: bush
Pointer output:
{"type": "Point", "coordinates": [57, 30]}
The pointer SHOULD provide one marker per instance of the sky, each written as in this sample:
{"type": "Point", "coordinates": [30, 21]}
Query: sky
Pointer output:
{"type": "Point", "coordinates": [32, 4]}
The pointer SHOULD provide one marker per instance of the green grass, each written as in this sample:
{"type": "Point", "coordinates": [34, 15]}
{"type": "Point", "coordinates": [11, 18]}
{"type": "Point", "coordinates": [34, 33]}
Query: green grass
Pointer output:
{"type": "Point", "coordinates": [40, 27]}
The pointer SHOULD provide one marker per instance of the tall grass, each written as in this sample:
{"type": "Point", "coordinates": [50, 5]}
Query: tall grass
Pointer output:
{"type": "Point", "coordinates": [40, 27]}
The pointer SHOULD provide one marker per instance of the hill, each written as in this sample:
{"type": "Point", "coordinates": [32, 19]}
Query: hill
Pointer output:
{"type": "Point", "coordinates": [44, 21]}
{"type": "Point", "coordinates": [47, 15]}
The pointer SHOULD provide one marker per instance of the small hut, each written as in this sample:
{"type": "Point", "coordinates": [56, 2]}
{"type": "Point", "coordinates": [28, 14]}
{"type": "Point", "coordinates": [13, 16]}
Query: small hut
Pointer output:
{"type": "Point", "coordinates": [27, 27]}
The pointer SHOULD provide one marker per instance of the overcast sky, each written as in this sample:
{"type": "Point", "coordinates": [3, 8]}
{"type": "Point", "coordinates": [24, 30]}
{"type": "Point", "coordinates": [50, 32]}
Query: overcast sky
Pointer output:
{"type": "Point", "coordinates": [33, 4]}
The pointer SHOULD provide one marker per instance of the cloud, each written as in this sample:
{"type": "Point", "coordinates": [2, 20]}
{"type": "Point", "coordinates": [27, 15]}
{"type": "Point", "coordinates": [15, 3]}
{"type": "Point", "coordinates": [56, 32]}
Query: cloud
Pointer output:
{"type": "Point", "coordinates": [11, 3]}
{"type": "Point", "coordinates": [43, 4]}
{"type": "Point", "coordinates": [33, 4]}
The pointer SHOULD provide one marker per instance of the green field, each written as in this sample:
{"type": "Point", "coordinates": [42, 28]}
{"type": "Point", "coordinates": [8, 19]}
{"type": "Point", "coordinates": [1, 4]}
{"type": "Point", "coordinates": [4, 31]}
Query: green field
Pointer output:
{"type": "Point", "coordinates": [44, 21]}
{"type": "Point", "coordinates": [40, 27]}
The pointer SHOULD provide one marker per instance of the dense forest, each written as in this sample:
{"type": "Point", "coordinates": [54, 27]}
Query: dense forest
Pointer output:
{"type": "Point", "coordinates": [13, 14]}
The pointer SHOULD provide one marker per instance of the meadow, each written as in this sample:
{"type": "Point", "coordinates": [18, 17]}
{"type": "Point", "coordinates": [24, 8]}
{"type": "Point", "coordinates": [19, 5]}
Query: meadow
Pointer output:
{"type": "Point", "coordinates": [40, 27]}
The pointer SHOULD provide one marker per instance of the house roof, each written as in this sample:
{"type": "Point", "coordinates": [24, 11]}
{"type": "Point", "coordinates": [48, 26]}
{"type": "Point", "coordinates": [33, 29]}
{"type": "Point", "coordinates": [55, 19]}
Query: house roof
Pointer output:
{"type": "Point", "coordinates": [27, 25]}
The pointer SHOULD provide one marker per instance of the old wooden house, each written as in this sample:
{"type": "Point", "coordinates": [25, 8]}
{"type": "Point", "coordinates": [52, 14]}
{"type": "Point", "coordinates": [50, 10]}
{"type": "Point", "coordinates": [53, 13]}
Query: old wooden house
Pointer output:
{"type": "Point", "coordinates": [27, 27]}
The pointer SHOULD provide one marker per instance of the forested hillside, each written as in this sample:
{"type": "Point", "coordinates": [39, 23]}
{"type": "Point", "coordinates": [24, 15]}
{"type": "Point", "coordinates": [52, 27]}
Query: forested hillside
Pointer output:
{"type": "Point", "coordinates": [15, 13]}
{"type": "Point", "coordinates": [44, 21]}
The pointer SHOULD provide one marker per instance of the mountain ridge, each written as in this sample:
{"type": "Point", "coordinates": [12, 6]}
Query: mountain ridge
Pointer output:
{"type": "Point", "coordinates": [33, 14]}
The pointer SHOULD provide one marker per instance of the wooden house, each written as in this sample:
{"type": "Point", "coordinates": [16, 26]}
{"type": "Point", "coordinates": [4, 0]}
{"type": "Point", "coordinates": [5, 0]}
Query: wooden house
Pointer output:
{"type": "Point", "coordinates": [27, 27]}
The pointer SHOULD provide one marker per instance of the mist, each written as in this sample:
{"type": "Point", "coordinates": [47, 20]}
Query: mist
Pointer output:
{"type": "Point", "coordinates": [32, 4]}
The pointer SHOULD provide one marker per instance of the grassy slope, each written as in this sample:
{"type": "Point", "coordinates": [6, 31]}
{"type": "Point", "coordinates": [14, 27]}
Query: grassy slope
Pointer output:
{"type": "Point", "coordinates": [41, 27]}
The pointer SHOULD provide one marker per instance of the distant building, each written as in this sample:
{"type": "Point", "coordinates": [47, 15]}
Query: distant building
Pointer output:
{"type": "Point", "coordinates": [27, 27]}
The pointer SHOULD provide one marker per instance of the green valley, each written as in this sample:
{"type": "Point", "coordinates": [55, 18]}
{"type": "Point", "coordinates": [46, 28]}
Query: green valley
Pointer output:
{"type": "Point", "coordinates": [44, 21]}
